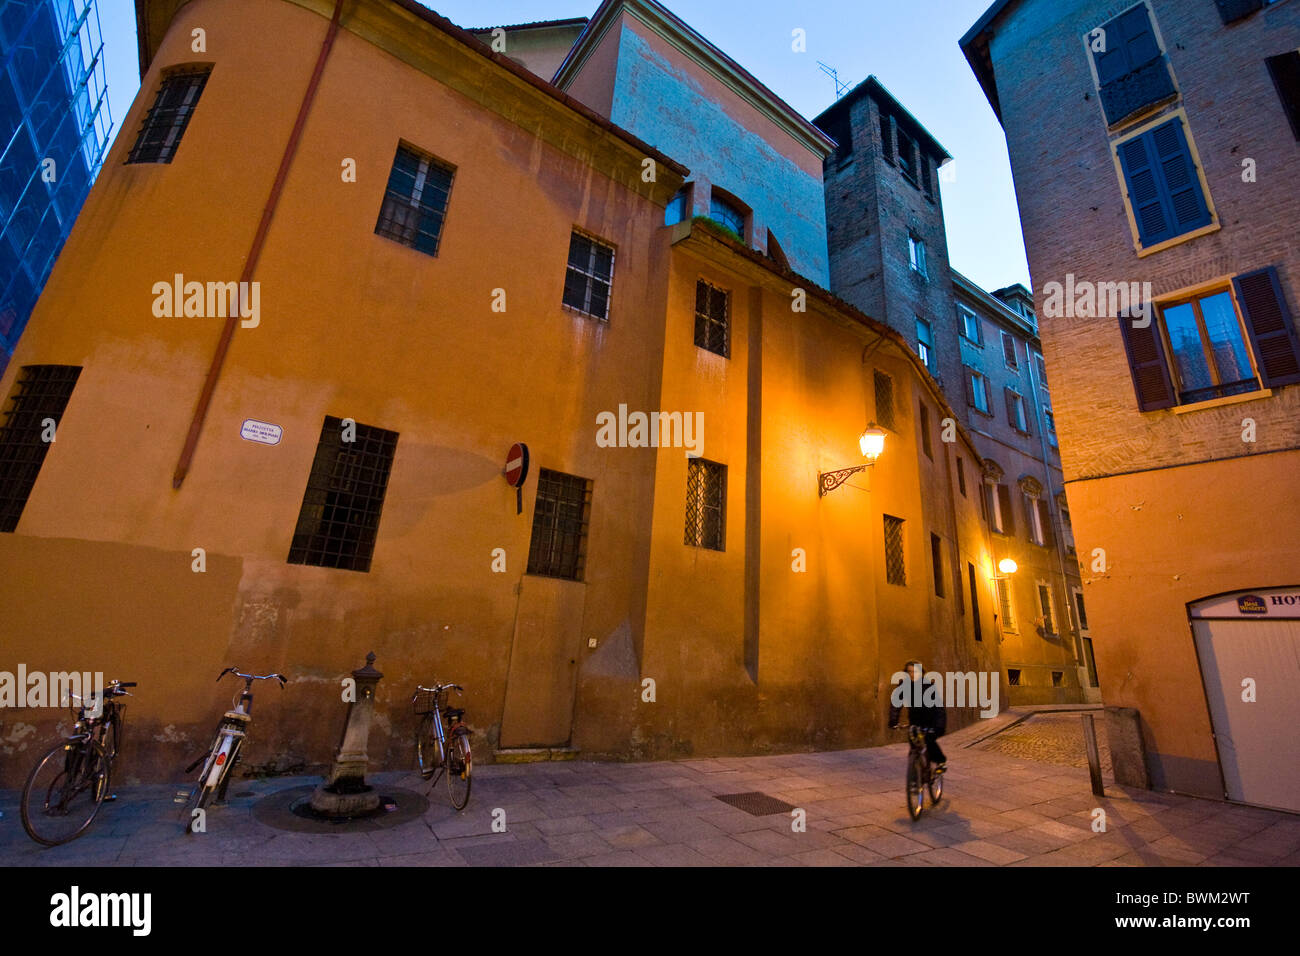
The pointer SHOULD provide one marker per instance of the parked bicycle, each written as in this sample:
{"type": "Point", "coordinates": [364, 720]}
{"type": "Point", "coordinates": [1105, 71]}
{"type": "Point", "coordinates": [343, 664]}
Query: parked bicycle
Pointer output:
{"type": "Point", "coordinates": [68, 785]}
{"type": "Point", "coordinates": [226, 750]}
{"type": "Point", "coordinates": [921, 774]}
{"type": "Point", "coordinates": [432, 750]}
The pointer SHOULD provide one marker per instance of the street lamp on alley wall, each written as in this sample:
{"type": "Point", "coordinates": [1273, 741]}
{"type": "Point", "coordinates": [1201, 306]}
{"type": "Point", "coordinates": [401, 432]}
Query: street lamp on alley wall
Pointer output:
{"type": "Point", "coordinates": [1008, 566]}
{"type": "Point", "coordinates": [871, 443]}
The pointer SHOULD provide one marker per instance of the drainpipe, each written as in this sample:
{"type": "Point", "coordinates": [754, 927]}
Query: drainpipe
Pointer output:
{"type": "Point", "coordinates": [255, 251]}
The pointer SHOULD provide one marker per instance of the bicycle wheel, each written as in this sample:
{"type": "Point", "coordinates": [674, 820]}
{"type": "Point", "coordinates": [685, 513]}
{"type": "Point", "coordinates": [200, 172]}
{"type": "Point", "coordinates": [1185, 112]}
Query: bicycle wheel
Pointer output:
{"type": "Point", "coordinates": [459, 765]}
{"type": "Point", "coordinates": [200, 794]}
{"type": "Point", "coordinates": [915, 790]}
{"type": "Point", "coordinates": [936, 787]}
{"type": "Point", "coordinates": [428, 750]}
{"type": "Point", "coordinates": [64, 792]}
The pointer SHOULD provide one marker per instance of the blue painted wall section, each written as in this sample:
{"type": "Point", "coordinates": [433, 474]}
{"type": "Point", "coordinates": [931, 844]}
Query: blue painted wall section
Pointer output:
{"type": "Point", "coordinates": [671, 111]}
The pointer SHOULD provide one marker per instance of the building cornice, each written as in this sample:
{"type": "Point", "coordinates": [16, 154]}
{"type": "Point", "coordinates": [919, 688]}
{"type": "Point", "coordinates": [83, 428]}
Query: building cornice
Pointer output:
{"type": "Point", "coordinates": [731, 74]}
{"type": "Point", "coordinates": [456, 58]}
{"type": "Point", "coordinates": [1001, 311]}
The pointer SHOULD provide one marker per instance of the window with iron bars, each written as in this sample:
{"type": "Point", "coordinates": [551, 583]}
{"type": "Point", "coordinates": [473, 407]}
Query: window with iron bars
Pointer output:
{"type": "Point", "coordinates": [589, 277]}
{"type": "Point", "coordinates": [884, 400]}
{"type": "Point", "coordinates": [164, 124]}
{"type": "Point", "coordinates": [895, 571]}
{"type": "Point", "coordinates": [561, 516]}
{"type": "Point", "coordinates": [40, 395]}
{"type": "Point", "coordinates": [339, 520]}
{"type": "Point", "coordinates": [415, 203]}
{"type": "Point", "coordinates": [712, 319]}
{"type": "Point", "coordinates": [706, 504]}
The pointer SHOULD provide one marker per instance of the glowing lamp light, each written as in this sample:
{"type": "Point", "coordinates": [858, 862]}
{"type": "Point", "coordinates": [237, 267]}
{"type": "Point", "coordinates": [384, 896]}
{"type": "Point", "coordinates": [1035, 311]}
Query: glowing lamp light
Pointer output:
{"type": "Point", "coordinates": [1008, 566]}
{"type": "Point", "coordinates": [872, 443]}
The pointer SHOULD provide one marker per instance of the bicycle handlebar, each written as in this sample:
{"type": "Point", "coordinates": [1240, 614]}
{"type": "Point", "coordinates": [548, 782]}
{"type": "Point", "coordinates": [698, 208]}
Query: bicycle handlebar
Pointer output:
{"type": "Point", "coordinates": [439, 688]}
{"type": "Point", "coordinates": [252, 677]}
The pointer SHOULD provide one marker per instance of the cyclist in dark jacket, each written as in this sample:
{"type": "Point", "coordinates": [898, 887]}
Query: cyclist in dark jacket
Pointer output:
{"type": "Point", "coordinates": [933, 720]}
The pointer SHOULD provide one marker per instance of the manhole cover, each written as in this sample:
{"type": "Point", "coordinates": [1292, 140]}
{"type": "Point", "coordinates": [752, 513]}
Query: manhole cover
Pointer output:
{"type": "Point", "coordinates": [290, 810]}
{"type": "Point", "coordinates": [757, 804]}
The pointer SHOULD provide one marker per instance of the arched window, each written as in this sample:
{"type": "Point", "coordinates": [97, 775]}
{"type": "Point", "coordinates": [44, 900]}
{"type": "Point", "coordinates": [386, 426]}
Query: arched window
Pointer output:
{"type": "Point", "coordinates": [678, 207]}
{"type": "Point", "coordinates": [727, 212]}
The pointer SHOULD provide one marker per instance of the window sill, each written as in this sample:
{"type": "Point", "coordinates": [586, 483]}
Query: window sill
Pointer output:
{"type": "Point", "coordinates": [1219, 402]}
{"type": "Point", "coordinates": [1176, 240]}
{"type": "Point", "coordinates": [973, 343]}
{"type": "Point", "coordinates": [586, 315]}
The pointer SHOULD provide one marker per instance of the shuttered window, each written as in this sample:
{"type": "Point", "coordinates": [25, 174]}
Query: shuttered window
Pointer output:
{"type": "Point", "coordinates": [1009, 353]}
{"type": "Point", "coordinates": [1231, 11]}
{"type": "Point", "coordinates": [1164, 191]}
{"type": "Point", "coordinates": [887, 137]}
{"type": "Point", "coordinates": [1269, 324]}
{"type": "Point", "coordinates": [977, 392]}
{"type": "Point", "coordinates": [1285, 71]}
{"type": "Point", "coordinates": [1017, 413]}
{"type": "Point", "coordinates": [1201, 347]}
{"type": "Point", "coordinates": [1131, 71]}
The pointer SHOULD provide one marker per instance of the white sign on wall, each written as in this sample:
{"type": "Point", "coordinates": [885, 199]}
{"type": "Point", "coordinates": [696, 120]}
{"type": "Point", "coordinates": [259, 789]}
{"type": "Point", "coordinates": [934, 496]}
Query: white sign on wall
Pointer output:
{"type": "Point", "coordinates": [262, 432]}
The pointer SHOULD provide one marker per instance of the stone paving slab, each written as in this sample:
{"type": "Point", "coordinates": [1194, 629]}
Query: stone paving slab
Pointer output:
{"type": "Point", "coordinates": [999, 809]}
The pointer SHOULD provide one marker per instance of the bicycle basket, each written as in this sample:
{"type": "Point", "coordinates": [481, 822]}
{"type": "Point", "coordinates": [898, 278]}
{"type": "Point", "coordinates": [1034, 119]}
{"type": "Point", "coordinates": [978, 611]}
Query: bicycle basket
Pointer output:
{"type": "Point", "coordinates": [425, 702]}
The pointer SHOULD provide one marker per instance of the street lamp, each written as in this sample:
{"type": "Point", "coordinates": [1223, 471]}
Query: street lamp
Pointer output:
{"type": "Point", "coordinates": [1008, 566]}
{"type": "Point", "coordinates": [871, 443]}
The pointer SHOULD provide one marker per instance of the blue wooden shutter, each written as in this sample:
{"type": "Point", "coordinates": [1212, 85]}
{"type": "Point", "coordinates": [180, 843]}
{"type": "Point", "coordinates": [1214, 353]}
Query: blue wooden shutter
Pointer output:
{"type": "Point", "coordinates": [1143, 190]}
{"type": "Point", "coordinates": [1146, 362]}
{"type": "Point", "coordinates": [1163, 189]}
{"type": "Point", "coordinates": [1182, 186]}
{"type": "Point", "coordinates": [1233, 10]}
{"type": "Point", "coordinates": [1273, 337]}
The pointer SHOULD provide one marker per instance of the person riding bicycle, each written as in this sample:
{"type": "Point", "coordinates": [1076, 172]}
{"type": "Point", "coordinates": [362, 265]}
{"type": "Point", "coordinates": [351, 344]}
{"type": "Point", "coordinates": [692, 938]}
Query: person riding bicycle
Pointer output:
{"type": "Point", "coordinates": [932, 720]}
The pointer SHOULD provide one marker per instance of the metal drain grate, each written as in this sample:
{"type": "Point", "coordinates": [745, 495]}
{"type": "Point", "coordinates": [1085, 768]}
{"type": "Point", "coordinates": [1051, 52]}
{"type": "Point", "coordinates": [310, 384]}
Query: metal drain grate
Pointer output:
{"type": "Point", "coordinates": [755, 803]}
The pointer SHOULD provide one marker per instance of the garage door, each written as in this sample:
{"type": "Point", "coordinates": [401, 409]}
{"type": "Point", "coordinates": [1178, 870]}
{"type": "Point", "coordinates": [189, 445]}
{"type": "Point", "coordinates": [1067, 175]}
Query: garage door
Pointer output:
{"type": "Point", "coordinates": [1256, 653]}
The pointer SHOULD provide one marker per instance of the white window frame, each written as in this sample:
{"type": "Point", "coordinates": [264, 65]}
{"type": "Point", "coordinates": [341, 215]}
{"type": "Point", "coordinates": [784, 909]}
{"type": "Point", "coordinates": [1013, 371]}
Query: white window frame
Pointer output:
{"type": "Point", "coordinates": [974, 319]}
{"type": "Point", "coordinates": [981, 380]}
{"type": "Point", "coordinates": [1035, 520]}
{"type": "Point", "coordinates": [1048, 614]}
{"type": "Point", "coordinates": [916, 255]}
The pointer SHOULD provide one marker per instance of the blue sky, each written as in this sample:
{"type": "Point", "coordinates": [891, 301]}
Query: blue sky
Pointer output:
{"type": "Point", "coordinates": [910, 46]}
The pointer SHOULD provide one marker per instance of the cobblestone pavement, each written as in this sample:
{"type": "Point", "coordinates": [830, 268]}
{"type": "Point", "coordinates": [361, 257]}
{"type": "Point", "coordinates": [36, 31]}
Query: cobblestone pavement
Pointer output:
{"type": "Point", "coordinates": [1050, 737]}
{"type": "Point", "coordinates": [998, 810]}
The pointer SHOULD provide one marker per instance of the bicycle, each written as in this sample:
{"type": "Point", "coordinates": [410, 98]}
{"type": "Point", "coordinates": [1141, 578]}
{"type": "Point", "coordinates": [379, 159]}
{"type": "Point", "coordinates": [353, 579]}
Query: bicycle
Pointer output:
{"type": "Point", "coordinates": [226, 748]}
{"type": "Point", "coordinates": [431, 750]}
{"type": "Point", "coordinates": [921, 774]}
{"type": "Point", "coordinates": [69, 783]}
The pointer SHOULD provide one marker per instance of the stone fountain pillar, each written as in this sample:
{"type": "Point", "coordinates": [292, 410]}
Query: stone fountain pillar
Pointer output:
{"type": "Point", "coordinates": [345, 793]}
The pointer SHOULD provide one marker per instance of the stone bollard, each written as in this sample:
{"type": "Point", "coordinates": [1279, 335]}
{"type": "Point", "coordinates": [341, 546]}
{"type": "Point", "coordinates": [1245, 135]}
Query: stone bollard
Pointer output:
{"type": "Point", "coordinates": [346, 794]}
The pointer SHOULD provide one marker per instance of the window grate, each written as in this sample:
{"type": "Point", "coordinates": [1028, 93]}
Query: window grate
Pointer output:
{"type": "Point", "coordinates": [712, 319]}
{"type": "Point", "coordinates": [936, 561]}
{"type": "Point", "coordinates": [589, 277]}
{"type": "Point", "coordinates": [884, 400]}
{"type": "Point", "coordinates": [706, 499]}
{"type": "Point", "coordinates": [560, 522]}
{"type": "Point", "coordinates": [415, 203]}
{"type": "Point", "coordinates": [895, 571]}
{"type": "Point", "coordinates": [339, 520]}
{"type": "Point", "coordinates": [1013, 677]}
{"type": "Point", "coordinates": [1058, 678]}
{"type": "Point", "coordinates": [1006, 605]}
{"type": "Point", "coordinates": [41, 393]}
{"type": "Point", "coordinates": [165, 123]}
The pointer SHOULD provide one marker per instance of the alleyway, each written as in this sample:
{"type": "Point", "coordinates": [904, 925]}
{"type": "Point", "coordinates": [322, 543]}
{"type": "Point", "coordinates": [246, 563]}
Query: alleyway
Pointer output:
{"type": "Point", "coordinates": [998, 810]}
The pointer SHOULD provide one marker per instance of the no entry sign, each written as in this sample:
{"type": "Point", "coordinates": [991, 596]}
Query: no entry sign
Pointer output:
{"type": "Point", "coordinates": [517, 472]}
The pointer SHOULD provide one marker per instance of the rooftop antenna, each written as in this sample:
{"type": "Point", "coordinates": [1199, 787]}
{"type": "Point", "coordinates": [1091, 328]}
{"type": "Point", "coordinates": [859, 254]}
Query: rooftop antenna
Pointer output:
{"type": "Point", "coordinates": [840, 87]}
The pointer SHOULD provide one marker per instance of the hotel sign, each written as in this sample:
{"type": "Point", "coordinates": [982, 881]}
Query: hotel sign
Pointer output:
{"type": "Point", "coordinates": [1261, 604]}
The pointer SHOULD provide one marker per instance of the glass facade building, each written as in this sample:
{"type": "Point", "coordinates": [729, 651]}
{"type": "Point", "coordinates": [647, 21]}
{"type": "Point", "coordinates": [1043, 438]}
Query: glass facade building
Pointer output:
{"type": "Point", "coordinates": [54, 129]}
